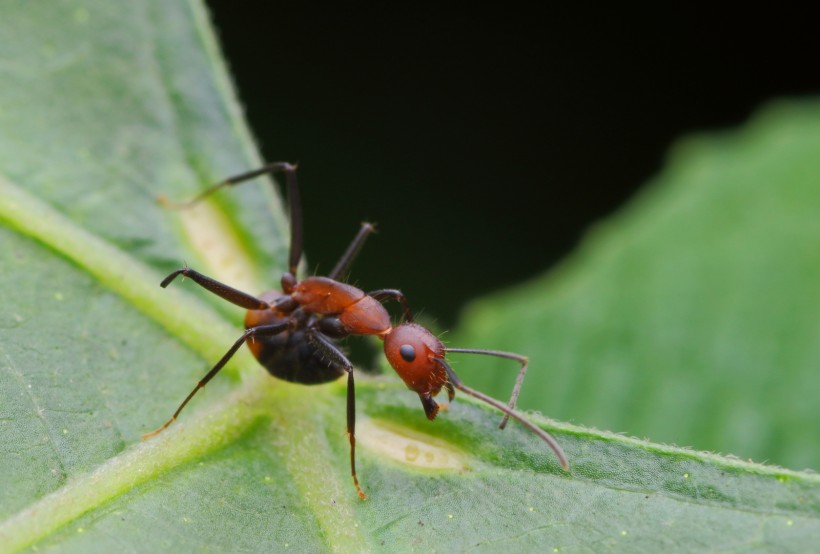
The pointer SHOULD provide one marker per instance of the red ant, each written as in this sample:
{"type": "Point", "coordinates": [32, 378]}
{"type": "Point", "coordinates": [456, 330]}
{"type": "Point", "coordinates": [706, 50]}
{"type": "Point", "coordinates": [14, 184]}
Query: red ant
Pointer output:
{"type": "Point", "coordinates": [293, 333]}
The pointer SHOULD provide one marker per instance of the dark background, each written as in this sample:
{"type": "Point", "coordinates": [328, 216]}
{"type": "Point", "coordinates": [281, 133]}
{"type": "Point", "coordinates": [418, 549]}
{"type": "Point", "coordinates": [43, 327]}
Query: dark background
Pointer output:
{"type": "Point", "coordinates": [483, 143]}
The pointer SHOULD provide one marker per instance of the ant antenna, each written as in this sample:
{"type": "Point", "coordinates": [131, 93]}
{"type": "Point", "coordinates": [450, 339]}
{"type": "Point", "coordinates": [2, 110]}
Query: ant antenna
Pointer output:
{"type": "Point", "coordinates": [523, 360]}
{"type": "Point", "coordinates": [546, 437]}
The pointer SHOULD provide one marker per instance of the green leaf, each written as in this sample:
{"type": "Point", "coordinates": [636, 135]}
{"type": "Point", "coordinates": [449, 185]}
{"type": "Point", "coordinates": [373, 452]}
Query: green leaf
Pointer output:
{"type": "Point", "coordinates": [104, 107]}
{"type": "Point", "coordinates": [691, 317]}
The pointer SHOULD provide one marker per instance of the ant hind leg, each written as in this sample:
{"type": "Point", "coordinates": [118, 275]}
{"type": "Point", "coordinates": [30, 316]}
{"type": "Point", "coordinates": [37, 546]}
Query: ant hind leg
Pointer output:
{"type": "Point", "coordinates": [262, 330]}
{"type": "Point", "coordinates": [232, 295]}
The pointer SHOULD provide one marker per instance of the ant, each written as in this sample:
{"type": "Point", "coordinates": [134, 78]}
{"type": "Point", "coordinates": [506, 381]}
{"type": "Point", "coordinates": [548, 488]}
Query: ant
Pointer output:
{"type": "Point", "coordinates": [293, 333]}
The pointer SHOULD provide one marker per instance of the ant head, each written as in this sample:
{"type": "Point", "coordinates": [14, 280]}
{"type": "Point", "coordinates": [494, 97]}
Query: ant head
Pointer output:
{"type": "Point", "coordinates": [413, 352]}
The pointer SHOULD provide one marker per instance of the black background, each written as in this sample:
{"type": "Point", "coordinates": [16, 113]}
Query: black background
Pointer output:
{"type": "Point", "coordinates": [484, 142]}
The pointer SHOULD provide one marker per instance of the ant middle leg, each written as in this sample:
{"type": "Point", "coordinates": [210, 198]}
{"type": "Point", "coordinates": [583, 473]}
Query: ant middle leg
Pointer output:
{"type": "Point", "coordinates": [329, 349]}
{"type": "Point", "coordinates": [260, 331]}
{"type": "Point", "coordinates": [343, 265]}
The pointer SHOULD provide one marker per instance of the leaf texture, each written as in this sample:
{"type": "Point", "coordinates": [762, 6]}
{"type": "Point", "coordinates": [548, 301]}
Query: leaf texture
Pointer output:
{"type": "Point", "coordinates": [104, 107]}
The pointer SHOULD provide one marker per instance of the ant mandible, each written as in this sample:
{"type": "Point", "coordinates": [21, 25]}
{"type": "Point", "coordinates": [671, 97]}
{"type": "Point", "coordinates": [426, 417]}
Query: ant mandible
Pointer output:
{"type": "Point", "coordinates": [293, 333]}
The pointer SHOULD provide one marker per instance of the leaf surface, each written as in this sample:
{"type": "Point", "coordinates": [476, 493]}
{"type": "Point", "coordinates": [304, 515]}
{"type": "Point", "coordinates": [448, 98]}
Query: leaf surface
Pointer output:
{"type": "Point", "coordinates": [103, 108]}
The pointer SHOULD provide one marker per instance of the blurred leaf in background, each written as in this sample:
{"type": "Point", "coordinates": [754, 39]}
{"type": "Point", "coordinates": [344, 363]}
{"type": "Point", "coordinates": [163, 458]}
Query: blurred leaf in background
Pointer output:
{"type": "Point", "coordinates": [693, 316]}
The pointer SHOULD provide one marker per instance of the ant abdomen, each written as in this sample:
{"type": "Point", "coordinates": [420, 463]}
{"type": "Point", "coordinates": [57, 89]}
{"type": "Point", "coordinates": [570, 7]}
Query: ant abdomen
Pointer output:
{"type": "Point", "coordinates": [288, 355]}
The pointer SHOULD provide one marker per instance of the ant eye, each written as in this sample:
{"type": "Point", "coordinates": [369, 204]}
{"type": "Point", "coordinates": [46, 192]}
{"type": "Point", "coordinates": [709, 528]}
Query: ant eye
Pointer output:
{"type": "Point", "coordinates": [407, 352]}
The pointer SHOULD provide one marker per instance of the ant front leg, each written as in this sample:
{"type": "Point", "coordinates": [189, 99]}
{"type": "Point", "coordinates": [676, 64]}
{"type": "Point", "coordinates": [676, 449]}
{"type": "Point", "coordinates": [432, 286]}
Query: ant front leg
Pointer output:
{"type": "Point", "coordinates": [260, 331]}
{"type": "Point", "coordinates": [393, 294]}
{"type": "Point", "coordinates": [328, 348]}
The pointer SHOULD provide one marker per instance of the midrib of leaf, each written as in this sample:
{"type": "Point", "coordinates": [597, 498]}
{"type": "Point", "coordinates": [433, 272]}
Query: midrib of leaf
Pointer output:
{"type": "Point", "coordinates": [223, 423]}
{"type": "Point", "coordinates": [197, 327]}
{"type": "Point", "coordinates": [204, 332]}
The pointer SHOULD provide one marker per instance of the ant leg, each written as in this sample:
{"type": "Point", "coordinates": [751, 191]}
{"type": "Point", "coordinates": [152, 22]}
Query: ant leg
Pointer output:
{"type": "Point", "coordinates": [523, 360]}
{"type": "Point", "coordinates": [295, 212]}
{"type": "Point", "coordinates": [293, 199]}
{"type": "Point", "coordinates": [392, 294]}
{"type": "Point", "coordinates": [329, 349]}
{"type": "Point", "coordinates": [232, 295]}
{"type": "Point", "coordinates": [235, 180]}
{"type": "Point", "coordinates": [262, 330]}
{"type": "Point", "coordinates": [343, 265]}
{"type": "Point", "coordinates": [546, 437]}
